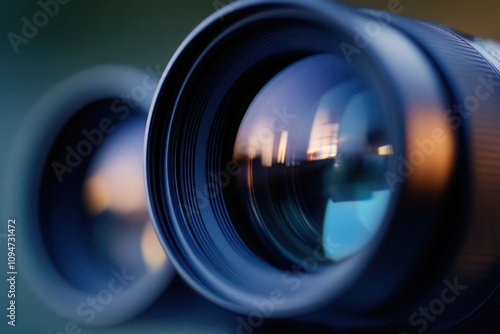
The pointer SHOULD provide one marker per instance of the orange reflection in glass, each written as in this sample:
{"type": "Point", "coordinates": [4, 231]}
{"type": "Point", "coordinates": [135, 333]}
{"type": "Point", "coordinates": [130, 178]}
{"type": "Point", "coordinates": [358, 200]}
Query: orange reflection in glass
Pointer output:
{"type": "Point", "coordinates": [431, 150]}
{"type": "Point", "coordinates": [117, 185]}
{"type": "Point", "coordinates": [152, 252]}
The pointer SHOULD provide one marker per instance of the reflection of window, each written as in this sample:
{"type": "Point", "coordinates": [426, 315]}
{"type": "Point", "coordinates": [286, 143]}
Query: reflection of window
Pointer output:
{"type": "Point", "coordinates": [385, 150]}
{"type": "Point", "coordinates": [267, 151]}
{"type": "Point", "coordinates": [323, 143]}
{"type": "Point", "coordinates": [282, 147]}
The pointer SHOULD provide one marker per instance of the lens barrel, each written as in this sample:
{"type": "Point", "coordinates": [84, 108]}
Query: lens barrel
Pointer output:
{"type": "Point", "coordinates": [305, 156]}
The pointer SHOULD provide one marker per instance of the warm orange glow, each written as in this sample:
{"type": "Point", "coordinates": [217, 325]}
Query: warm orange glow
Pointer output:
{"type": "Point", "coordinates": [117, 186]}
{"type": "Point", "coordinates": [152, 252]}
{"type": "Point", "coordinates": [431, 150]}
{"type": "Point", "coordinates": [249, 175]}
{"type": "Point", "coordinates": [385, 150]}
{"type": "Point", "coordinates": [96, 195]}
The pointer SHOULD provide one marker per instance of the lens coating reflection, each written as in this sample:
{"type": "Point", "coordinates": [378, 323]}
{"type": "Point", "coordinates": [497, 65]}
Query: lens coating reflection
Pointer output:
{"type": "Point", "coordinates": [94, 215]}
{"type": "Point", "coordinates": [314, 148]}
{"type": "Point", "coordinates": [114, 197]}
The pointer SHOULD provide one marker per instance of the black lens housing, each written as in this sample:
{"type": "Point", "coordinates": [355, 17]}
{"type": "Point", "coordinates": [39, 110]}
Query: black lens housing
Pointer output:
{"type": "Point", "coordinates": [435, 229]}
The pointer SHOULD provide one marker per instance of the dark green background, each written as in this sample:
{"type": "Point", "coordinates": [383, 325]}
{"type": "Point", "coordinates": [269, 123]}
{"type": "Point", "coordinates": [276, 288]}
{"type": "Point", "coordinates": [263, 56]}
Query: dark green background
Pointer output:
{"type": "Point", "coordinates": [139, 33]}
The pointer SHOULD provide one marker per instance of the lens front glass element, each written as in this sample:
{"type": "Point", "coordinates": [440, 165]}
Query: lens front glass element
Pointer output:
{"type": "Point", "coordinates": [313, 147]}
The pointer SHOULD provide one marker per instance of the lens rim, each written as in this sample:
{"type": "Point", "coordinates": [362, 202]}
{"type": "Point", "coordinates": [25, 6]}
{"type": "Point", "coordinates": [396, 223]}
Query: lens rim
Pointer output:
{"type": "Point", "coordinates": [186, 242]}
{"type": "Point", "coordinates": [47, 118]}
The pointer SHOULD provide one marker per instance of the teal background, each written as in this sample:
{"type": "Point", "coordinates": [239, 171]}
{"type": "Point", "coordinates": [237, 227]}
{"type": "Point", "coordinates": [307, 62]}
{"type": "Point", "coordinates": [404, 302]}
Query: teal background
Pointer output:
{"type": "Point", "coordinates": [140, 33]}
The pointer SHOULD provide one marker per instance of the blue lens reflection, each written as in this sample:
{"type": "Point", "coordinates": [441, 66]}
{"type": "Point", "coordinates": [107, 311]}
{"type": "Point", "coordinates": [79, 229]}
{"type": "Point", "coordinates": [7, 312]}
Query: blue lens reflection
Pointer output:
{"type": "Point", "coordinates": [314, 148]}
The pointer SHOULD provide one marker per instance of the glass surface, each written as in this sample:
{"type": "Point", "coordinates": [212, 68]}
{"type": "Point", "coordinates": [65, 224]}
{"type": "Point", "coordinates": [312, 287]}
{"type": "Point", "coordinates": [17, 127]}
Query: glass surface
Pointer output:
{"type": "Point", "coordinates": [118, 225]}
{"type": "Point", "coordinates": [314, 147]}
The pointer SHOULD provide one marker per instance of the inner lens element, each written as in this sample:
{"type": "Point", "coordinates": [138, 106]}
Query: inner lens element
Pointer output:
{"type": "Point", "coordinates": [115, 203]}
{"type": "Point", "coordinates": [313, 147]}
{"type": "Point", "coordinates": [93, 209]}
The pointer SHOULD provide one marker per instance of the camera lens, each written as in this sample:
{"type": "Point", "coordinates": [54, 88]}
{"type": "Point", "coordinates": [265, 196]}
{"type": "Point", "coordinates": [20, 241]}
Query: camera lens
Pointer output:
{"type": "Point", "coordinates": [317, 182]}
{"type": "Point", "coordinates": [311, 157]}
{"type": "Point", "coordinates": [80, 195]}
{"type": "Point", "coordinates": [98, 208]}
